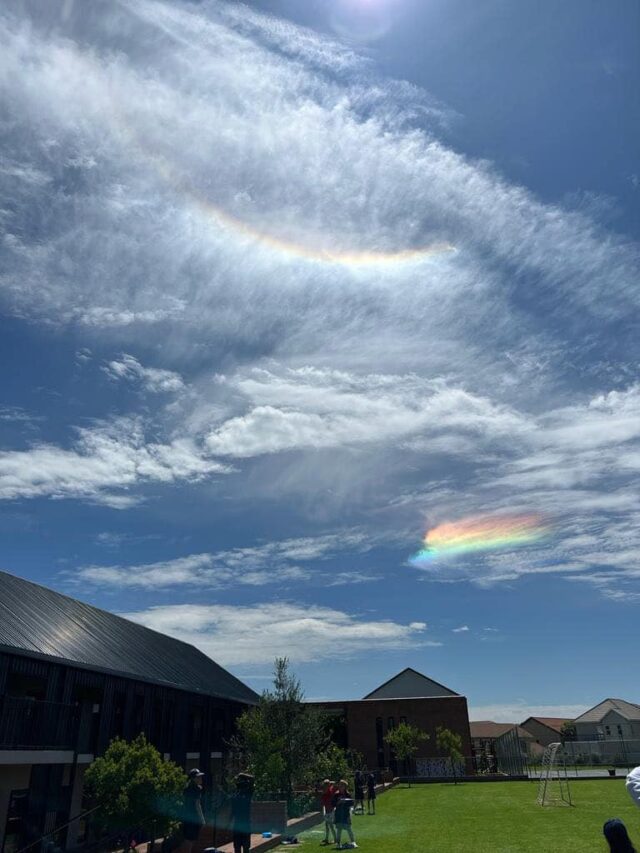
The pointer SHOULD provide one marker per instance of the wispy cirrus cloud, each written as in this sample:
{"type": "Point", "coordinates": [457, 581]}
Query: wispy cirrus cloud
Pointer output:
{"type": "Point", "coordinates": [268, 563]}
{"type": "Point", "coordinates": [136, 80]}
{"type": "Point", "coordinates": [493, 387]}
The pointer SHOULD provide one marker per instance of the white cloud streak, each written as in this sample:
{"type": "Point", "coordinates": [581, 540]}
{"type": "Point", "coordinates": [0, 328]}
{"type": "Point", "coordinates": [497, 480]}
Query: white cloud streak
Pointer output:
{"type": "Point", "coordinates": [178, 172]}
{"type": "Point", "coordinates": [154, 379]}
{"type": "Point", "coordinates": [269, 563]}
{"type": "Point", "coordinates": [518, 711]}
{"type": "Point", "coordinates": [103, 463]}
{"type": "Point", "coordinates": [256, 635]}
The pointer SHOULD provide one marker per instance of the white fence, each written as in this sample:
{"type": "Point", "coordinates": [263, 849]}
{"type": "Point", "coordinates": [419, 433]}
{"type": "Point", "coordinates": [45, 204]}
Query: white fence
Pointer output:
{"type": "Point", "coordinates": [601, 753]}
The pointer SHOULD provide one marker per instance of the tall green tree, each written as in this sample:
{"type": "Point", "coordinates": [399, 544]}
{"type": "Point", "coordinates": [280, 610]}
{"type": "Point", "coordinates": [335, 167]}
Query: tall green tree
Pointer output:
{"type": "Point", "coordinates": [282, 739]}
{"type": "Point", "coordinates": [405, 740]}
{"type": "Point", "coordinates": [133, 785]}
{"type": "Point", "coordinates": [451, 744]}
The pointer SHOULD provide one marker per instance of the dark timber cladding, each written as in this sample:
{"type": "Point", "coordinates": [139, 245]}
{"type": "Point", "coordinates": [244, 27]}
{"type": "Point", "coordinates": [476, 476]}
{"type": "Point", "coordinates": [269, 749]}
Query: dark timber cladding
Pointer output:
{"type": "Point", "coordinates": [41, 623]}
{"type": "Point", "coordinates": [73, 677]}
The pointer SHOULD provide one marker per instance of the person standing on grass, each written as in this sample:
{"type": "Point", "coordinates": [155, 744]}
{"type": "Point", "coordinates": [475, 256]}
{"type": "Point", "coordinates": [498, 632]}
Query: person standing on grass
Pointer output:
{"type": "Point", "coordinates": [193, 816]}
{"type": "Point", "coordinates": [359, 792]}
{"type": "Point", "coordinates": [633, 785]}
{"type": "Point", "coordinates": [241, 813]}
{"type": "Point", "coordinates": [371, 794]}
{"type": "Point", "coordinates": [616, 834]}
{"type": "Point", "coordinates": [343, 804]}
{"type": "Point", "coordinates": [328, 791]}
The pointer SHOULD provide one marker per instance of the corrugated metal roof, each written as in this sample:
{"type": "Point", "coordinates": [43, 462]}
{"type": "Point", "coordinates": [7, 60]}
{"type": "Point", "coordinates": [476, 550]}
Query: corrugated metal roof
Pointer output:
{"type": "Point", "coordinates": [628, 710]}
{"type": "Point", "coordinates": [37, 621]}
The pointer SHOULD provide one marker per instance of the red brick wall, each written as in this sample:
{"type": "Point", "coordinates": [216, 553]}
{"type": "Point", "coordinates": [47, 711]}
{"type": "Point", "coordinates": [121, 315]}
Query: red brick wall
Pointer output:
{"type": "Point", "coordinates": [426, 714]}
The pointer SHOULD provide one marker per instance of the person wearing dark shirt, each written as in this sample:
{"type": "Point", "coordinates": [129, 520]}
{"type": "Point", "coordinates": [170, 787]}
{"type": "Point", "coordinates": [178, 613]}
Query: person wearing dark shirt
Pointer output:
{"type": "Point", "coordinates": [241, 813]}
{"type": "Point", "coordinates": [359, 792]}
{"type": "Point", "coordinates": [371, 793]}
{"type": "Point", "coordinates": [616, 834]}
{"type": "Point", "coordinates": [343, 803]}
{"type": "Point", "coordinates": [192, 814]}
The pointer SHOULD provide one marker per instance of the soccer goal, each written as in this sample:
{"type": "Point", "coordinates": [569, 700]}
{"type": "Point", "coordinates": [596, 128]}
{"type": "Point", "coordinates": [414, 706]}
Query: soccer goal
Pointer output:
{"type": "Point", "coordinates": [553, 789]}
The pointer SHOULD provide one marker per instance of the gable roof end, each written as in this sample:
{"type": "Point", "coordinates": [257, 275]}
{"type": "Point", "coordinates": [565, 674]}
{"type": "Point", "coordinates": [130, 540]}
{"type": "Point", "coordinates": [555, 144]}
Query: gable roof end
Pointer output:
{"type": "Point", "coordinates": [410, 684]}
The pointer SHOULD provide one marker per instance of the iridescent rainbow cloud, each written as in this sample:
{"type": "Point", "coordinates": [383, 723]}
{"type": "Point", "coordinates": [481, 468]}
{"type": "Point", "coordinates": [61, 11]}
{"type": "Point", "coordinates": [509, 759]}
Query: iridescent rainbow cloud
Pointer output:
{"type": "Point", "coordinates": [480, 533]}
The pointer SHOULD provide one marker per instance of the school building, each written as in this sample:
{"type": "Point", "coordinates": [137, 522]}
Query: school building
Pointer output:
{"type": "Point", "coordinates": [408, 697]}
{"type": "Point", "coordinates": [72, 677]}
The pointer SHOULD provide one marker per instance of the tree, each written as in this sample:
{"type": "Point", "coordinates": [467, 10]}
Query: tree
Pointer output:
{"type": "Point", "coordinates": [404, 740]}
{"type": "Point", "coordinates": [567, 731]}
{"type": "Point", "coordinates": [451, 744]}
{"type": "Point", "coordinates": [282, 740]}
{"type": "Point", "coordinates": [333, 764]}
{"type": "Point", "coordinates": [133, 786]}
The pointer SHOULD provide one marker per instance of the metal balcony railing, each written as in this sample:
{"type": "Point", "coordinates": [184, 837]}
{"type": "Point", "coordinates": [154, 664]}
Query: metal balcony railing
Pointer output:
{"type": "Point", "coordinates": [33, 724]}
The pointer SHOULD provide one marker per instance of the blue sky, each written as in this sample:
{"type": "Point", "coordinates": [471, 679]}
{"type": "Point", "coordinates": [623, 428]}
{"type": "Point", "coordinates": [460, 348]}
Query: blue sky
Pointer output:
{"type": "Point", "coordinates": [283, 286]}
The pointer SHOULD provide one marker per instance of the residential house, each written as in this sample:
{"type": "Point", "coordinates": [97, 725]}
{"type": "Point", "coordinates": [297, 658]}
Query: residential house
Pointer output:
{"type": "Point", "coordinates": [490, 741]}
{"type": "Point", "coordinates": [612, 719]}
{"type": "Point", "coordinates": [545, 730]}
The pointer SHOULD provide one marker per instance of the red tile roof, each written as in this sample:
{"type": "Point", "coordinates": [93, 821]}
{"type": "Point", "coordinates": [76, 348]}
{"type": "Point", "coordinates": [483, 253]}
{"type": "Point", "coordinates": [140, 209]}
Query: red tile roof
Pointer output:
{"type": "Point", "coordinates": [555, 723]}
{"type": "Point", "coordinates": [486, 729]}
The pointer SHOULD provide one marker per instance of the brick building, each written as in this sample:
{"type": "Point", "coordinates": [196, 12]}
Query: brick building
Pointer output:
{"type": "Point", "coordinates": [410, 697]}
{"type": "Point", "coordinates": [72, 677]}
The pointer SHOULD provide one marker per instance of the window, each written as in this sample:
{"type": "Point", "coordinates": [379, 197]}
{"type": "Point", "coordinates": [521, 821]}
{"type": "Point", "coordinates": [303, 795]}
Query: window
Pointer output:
{"type": "Point", "coordinates": [607, 730]}
{"type": "Point", "coordinates": [391, 723]}
{"type": "Point", "coordinates": [379, 734]}
{"type": "Point", "coordinates": [195, 728]}
{"type": "Point", "coordinates": [403, 720]}
{"type": "Point", "coordinates": [619, 727]}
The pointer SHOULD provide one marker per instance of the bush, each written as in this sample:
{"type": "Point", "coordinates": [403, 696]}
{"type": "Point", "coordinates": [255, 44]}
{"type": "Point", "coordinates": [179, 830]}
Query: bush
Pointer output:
{"type": "Point", "coordinates": [134, 787]}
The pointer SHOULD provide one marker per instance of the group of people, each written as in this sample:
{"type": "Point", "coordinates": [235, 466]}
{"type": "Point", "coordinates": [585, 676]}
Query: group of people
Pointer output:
{"type": "Point", "coordinates": [614, 830]}
{"type": "Point", "coordinates": [240, 802]}
{"type": "Point", "coordinates": [338, 805]}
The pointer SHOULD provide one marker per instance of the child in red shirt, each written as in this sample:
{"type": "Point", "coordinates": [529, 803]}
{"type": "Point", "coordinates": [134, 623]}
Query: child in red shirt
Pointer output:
{"type": "Point", "coordinates": [328, 792]}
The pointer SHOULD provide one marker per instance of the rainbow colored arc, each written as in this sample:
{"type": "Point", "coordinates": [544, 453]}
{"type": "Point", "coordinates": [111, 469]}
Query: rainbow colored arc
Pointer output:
{"type": "Point", "coordinates": [223, 219]}
{"type": "Point", "coordinates": [480, 533]}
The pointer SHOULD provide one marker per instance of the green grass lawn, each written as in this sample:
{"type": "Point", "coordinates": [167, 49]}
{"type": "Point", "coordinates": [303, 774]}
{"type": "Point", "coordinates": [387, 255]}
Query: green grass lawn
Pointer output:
{"type": "Point", "coordinates": [490, 817]}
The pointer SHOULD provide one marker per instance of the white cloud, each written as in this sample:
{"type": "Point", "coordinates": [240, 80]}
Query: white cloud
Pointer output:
{"type": "Point", "coordinates": [117, 116]}
{"type": "Point", "coordinates": [102, 461]}
{"type": "Point", "coordinates": [150, 378]}
{"type": "Point", "coordinates": [461, 629]}
{"type": "Point", "coordinates": [269, 563]}
{"type": "Point", "coordinates": [258, 634]}
{"type": "Point", "coordinates": [311, 408]}
{"type": "Point", "coordinates": [519, 710]}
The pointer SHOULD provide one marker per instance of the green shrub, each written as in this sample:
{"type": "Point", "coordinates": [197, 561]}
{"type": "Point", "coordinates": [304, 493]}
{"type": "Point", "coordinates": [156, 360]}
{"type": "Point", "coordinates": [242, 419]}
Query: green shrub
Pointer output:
{"type": "Point", "coordinates": [133, 786]}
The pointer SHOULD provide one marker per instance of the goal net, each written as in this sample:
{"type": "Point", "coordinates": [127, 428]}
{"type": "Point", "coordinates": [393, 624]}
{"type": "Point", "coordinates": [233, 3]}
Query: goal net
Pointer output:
{"type": "Point", "coordinates": [553, 789]}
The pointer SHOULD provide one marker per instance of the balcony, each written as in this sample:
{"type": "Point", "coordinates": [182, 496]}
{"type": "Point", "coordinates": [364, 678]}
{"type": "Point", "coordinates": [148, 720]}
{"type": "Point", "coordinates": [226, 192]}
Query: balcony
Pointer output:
{"type": "Point", "coordinates": [32, 724]}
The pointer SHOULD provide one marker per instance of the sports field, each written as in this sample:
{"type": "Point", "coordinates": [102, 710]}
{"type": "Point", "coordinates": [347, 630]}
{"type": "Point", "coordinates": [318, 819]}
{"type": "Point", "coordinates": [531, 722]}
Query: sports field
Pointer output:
{"type": "Point", "coordinates": [500, 817]}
